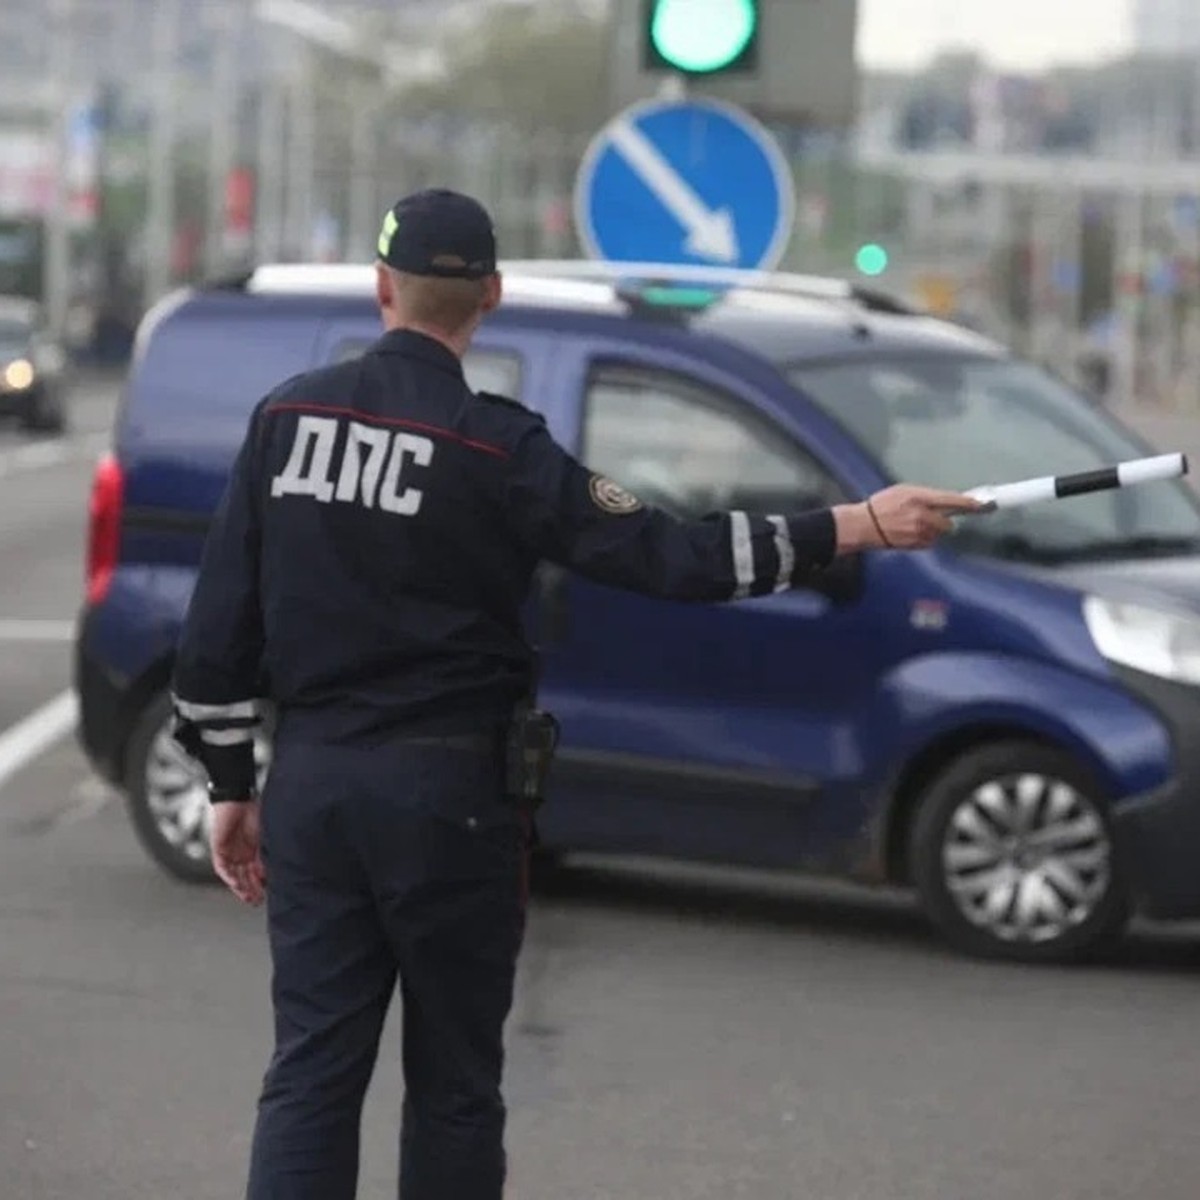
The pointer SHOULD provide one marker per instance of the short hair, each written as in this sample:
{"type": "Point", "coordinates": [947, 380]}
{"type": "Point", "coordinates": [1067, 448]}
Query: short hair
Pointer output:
{"type": "Point", "coordinates": [445, 304]}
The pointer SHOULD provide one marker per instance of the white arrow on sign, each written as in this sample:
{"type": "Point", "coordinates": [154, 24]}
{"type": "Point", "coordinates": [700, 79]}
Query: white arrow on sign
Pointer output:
{"type": "Point", "coordinates": [711, 234]}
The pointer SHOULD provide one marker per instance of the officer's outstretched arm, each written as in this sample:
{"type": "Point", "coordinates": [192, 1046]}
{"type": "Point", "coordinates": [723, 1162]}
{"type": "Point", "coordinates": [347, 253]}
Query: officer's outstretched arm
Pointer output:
{"type": "Point", "coordinates": [581, 520]}
{"type": "Point", "coordinates": [218, 660]}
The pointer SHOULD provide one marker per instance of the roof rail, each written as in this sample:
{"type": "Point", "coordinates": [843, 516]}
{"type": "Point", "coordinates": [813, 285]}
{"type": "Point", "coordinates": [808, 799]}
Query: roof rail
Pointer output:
{"type": "Point", "coordinates": [358, 279]}
{"type": "Point", "coordinates": [883, 302]}
{"type": "Point", "coordinates": [233, 281]}
{"type": "Point", "coordinates": [816, 287]}
{"type": "Point", "coordinates": [312, 278]}
{"type": "Point", "coordinates": [582, 281]}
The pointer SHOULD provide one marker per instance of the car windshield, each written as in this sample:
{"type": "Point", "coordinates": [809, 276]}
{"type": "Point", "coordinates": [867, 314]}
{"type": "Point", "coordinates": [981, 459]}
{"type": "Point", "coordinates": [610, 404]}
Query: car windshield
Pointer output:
{"type": "Point", "coordinates": [14, 338]}
{"type": "Point", "coordinates": [958, 423]}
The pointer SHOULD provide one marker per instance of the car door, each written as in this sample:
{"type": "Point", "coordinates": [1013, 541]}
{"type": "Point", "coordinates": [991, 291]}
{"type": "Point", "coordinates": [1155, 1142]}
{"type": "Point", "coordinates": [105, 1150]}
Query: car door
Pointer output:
{"type": "Point", "coordinates": [703, 731]}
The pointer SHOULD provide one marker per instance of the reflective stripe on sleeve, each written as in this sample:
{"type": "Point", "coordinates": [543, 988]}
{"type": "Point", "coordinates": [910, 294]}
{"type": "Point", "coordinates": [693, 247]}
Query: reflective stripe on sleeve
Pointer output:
{"type": "Point", "coordinates": [226, 737]}
{"type": "Point", "coordinates": [242, 710]}
{"type": "Point", "coordinates": [743, 554]}
{"type": "Point", "coordinates": [786, 552]}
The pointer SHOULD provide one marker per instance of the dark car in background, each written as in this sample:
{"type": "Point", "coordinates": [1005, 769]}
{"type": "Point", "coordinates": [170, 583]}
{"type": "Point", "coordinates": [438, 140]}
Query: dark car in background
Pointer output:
{"type": "Point", "coordinates": [33, 368]}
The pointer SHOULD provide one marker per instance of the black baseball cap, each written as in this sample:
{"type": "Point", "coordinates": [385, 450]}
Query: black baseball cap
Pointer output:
{"type": "Point", "coordinates": [439, 232]}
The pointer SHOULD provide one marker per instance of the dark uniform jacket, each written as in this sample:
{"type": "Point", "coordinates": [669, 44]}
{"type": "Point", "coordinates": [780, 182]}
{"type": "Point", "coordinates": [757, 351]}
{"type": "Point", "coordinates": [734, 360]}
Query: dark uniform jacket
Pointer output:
{"type": "Point", "coordinates": [369, 562]}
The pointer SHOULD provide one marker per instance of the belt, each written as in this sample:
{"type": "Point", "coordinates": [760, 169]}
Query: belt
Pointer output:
{"type": "Point", "coordinates": [455, 741]}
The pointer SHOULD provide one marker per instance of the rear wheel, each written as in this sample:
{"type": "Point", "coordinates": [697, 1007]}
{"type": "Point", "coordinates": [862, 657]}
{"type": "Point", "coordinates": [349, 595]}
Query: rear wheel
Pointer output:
{"type": "Point", "coordinates": [1012, 855]}
{"type": "Point", "coordinates": [168, 796]}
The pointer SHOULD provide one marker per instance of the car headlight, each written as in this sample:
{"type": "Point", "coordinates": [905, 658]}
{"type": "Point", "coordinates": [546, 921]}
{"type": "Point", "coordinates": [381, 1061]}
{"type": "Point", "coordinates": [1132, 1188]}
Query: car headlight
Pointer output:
{"type": "Point", "coordinates": [1145, 639]}
{"type": "Point", "coordinates": [19, 375]}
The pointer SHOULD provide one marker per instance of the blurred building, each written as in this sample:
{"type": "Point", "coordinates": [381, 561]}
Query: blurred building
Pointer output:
{"type": "Point", "coordinates": [1166, 26]}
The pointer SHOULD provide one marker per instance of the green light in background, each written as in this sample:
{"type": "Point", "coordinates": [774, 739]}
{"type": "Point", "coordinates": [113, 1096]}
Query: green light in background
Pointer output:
{"type": "Point", "coordinates": [700, 36]}
{"type": "Point", "coordinates": [871, 259]}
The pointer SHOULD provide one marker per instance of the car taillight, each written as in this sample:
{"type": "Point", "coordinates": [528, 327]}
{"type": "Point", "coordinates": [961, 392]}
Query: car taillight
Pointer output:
{"type": "Point", "coordinates": [104, 527]}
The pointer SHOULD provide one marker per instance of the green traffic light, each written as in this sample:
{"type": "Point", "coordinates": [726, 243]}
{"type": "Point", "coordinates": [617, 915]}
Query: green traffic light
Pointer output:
{"type": "Point", "coordinates": [700, 36]}
{"type": "Point", "coordinates": [872, 259]}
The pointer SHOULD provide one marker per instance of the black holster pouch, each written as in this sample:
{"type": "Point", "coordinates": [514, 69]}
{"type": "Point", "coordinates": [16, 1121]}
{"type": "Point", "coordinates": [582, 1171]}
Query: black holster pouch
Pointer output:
{"type": "Point", "coordinates": [532, 741]}
{"type": "Point", "coordinates": [187, 737]}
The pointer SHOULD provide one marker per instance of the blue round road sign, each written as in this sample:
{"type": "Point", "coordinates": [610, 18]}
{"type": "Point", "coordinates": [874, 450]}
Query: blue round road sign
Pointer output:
{"type": "Point", "coordinates": [695, 182]}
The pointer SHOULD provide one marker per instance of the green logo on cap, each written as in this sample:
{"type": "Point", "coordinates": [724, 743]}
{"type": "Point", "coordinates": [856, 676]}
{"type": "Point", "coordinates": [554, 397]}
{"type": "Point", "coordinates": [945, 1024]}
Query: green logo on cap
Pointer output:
{"type": "Point", "coordinates": [390, 225]}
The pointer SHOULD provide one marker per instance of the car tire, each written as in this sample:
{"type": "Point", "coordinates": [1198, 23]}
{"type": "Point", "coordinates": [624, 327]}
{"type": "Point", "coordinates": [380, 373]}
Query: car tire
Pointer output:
{"type": "Point", "coordinates": [167, 797]}
{"type": "Point", "coordinates": [1012, 854]}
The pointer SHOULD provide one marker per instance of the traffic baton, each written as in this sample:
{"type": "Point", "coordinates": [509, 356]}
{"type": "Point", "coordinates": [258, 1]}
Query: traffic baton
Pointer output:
{"type": "Point", "coordinates": [1057, 487]}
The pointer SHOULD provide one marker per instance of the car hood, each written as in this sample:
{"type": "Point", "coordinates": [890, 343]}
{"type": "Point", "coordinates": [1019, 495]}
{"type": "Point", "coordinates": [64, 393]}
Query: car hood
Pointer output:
{"type": "Point", "coordinates": [1169, 582]}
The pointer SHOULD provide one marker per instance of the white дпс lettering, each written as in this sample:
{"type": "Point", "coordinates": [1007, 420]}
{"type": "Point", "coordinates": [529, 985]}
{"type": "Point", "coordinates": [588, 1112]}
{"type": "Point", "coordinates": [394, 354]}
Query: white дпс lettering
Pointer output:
{"type": "Point", "coordinates": [357, 477]}
{"type": "Point", "coordinates": [361, 468]}
{"type": "Point", "coordinates": [391, 499]}
{"type": "Point", "coordinates": [294, 480]}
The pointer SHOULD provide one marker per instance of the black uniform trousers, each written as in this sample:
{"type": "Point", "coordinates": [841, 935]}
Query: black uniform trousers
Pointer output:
{"type": "Point", "coordinates": [389, 864]}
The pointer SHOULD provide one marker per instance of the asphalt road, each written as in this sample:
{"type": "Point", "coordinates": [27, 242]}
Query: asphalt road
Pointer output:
{"type": "Point", "coordinates": [677, 1033]}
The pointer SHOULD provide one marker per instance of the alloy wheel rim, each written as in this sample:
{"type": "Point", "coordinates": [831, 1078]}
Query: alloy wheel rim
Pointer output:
{"type": "Point", "coordinates": [177, 797]}
{"type": "Point", "coordinates": [1027, 858]}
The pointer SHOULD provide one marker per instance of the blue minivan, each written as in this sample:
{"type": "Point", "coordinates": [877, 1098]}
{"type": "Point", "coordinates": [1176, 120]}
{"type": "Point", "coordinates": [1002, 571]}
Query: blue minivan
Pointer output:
{"type": "Point", "coordinates": [1000, 724]}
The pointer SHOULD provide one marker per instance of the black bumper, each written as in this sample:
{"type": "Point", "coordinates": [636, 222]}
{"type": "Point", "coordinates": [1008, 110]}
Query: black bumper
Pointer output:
{"type": "Point", "coordinates": [104, 709]}
{"type": "Point", "coordinates": [1158, 835]}
{"type": "Point", "coordinates": [16, 404]}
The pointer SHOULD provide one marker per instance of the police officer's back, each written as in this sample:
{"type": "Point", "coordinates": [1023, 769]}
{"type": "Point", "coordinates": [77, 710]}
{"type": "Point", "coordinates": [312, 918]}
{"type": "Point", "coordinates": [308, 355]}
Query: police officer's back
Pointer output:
{"type": "Point", "coordinates": [366, 573]}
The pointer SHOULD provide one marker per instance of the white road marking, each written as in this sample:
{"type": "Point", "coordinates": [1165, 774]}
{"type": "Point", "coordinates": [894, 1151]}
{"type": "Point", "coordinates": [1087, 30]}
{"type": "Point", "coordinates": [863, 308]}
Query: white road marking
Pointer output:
{"type": "Point", "coordinates": [37, 631]}
{"type": "Point", "coordinates": [23, 742]}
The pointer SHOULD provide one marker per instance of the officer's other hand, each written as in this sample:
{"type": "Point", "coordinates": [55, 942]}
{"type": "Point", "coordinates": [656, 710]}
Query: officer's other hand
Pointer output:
{"type": "Point", "coordinates": [236, 850]}
{"type": "Point", "coordinates": [903, 517]}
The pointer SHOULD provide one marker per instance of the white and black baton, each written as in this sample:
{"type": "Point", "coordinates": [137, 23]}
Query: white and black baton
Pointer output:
{"type": "Point", "coordinates": [1057, 487]}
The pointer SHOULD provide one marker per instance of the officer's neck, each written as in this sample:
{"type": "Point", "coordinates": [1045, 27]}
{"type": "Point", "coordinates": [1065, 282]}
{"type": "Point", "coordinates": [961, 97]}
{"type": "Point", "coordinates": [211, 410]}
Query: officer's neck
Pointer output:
{"type": "Point", "coordinates": [456, 343]}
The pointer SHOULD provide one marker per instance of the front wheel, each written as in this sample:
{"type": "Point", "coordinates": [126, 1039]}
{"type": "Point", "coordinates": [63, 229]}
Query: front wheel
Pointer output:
{"type": "Point", "coordinates": [1013, 857]}
{"type": "Point", "coordinates": [168, 796]}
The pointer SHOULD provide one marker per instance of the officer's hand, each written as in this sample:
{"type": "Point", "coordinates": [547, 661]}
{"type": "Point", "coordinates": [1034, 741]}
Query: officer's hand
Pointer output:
{"type": "Point", "coordinates": [909, 517]}
{"type": "Point", "coordinates": [902, 517]}
{"type": "Point", "coordinates": [236, 853]}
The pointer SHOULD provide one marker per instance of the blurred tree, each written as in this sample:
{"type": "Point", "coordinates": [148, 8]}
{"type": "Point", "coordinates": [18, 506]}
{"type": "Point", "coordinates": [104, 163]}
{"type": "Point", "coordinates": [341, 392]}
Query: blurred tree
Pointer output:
{"type": "Point", "coordinates": [534, 65]}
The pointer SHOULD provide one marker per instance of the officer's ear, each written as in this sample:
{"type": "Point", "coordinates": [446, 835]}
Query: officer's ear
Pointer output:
{"type": "Point", "coordinates": [385, 286]}
{"type": "Point", "coordinates": [493, 291]}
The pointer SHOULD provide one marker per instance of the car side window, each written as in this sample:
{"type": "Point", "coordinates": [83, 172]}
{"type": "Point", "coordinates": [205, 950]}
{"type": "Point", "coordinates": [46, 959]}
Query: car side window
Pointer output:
{"type": "Point", "coordinates": [692, 450]}
{"type": "Point", "coordinates": [485, 370]}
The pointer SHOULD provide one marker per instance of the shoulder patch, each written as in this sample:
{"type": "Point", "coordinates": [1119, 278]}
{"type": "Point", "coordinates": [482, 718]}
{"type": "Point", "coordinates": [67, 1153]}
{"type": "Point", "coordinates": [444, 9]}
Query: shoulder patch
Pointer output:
{"type": "Point", "coordinates": [612, 497]}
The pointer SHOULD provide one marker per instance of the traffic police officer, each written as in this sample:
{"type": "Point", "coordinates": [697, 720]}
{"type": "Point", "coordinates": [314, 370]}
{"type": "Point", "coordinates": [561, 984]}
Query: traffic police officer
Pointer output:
{"type": "Point", "coordinates": [364, 576]}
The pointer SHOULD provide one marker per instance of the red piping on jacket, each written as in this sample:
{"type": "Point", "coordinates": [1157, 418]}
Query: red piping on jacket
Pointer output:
{"type": "Point", "coordinates": [398, 422]}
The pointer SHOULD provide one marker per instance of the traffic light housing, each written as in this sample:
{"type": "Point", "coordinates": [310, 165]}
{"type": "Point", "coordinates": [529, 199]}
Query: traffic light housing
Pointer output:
{"type": "Point", "coordinates": [701, 38]}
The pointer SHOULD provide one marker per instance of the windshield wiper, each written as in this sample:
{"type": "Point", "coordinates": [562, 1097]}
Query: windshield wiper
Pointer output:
{"type": "Point", "coordinates": [1013, 546]}
{"type": "Point", "coordinates": [1140, 546]}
